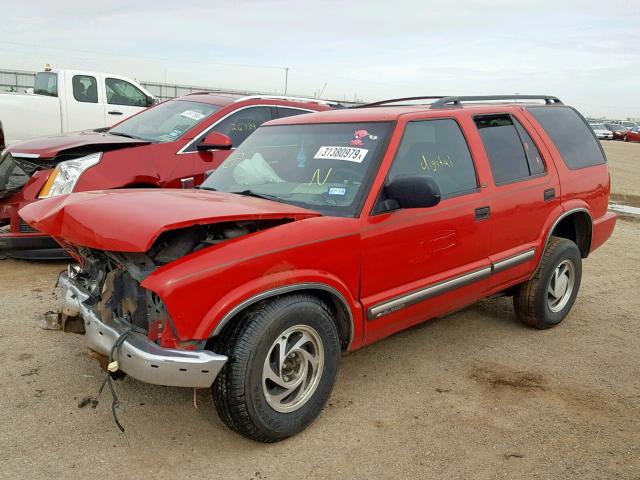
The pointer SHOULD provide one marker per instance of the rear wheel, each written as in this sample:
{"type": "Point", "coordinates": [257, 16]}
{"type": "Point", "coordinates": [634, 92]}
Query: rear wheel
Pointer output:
{"type": "Point", "coordinates": [283, 361]}
{"type": "Point", "coordinates": [546, 299]}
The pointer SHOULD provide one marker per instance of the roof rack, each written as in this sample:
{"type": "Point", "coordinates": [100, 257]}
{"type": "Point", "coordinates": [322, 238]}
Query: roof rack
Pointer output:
{"type": "Point", "coordinates": [285, 97]}
{"type": "Point", "coordinates": [456, 101]}
{"type": "Point", "coordinates": [404, 99]}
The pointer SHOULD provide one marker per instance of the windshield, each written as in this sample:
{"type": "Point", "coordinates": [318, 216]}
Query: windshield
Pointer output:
{"type": "Point", "coordinates": [165, 122]}
{"type": "Point", "coordinates": [597, 126]}
{"type": "Point", "coordinates": [324, 167]}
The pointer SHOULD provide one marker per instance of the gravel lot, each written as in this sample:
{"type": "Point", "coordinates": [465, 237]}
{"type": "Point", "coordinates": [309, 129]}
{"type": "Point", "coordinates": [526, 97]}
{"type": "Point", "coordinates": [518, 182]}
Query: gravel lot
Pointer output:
{"type": "Point", "coordinates": [472, 395]}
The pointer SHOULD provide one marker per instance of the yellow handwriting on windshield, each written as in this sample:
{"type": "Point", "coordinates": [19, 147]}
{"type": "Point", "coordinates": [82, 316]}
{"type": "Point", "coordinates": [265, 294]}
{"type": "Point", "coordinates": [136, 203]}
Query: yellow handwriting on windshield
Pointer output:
{"type": "Point", "coordinates": [317, 176]}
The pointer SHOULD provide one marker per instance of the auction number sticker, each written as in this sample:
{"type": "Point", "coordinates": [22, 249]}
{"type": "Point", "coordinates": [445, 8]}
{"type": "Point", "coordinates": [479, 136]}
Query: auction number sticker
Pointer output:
{"type": "Point", "coordinates": [192, 115]}
{"type": "Point", "coordinates": [349, 154]}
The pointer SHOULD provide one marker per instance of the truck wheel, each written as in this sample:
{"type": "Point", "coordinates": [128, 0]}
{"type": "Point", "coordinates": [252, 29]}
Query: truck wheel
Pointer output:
{"type": "Point", "coordinates": [283, 361]}
{"type": "Point", "coordinates": [546, 299]}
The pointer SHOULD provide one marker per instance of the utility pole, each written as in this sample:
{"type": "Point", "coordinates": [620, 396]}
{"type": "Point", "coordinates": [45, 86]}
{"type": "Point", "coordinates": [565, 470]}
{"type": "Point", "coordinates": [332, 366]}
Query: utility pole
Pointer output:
{"type": "Point", "coordinates": [286, 79]}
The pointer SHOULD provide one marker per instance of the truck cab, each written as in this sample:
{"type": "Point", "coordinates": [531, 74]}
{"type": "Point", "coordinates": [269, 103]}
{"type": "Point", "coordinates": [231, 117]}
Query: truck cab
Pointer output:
{"type": "Point", "coordinates": [69, 100]}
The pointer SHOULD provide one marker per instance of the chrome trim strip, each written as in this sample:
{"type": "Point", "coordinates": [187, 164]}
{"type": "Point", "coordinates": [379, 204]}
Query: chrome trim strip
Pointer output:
{"type": "Point", "coordinates": [138, 356]}
{"type": "Point", "coordinates": [24, 155]}
{"type": "Point", "coordinates": [425, 293]}
{"type": "Point", "coordinates": [205, 132]}
{"type": "Point", "coordinates": [287, 289]}
{"type": "Point", "coordinates": [513, 260]}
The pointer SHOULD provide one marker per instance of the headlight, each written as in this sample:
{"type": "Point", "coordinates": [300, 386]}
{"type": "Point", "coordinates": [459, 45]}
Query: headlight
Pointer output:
{"type": "Point", "coordinates": [64, 177]}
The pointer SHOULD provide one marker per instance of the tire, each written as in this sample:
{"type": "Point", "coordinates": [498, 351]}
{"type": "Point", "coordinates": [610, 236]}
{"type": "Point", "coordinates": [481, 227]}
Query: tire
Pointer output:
{"type": "Point", "coordinates": [542, 302]}
{"type": "Point", "coordinates": [625, 138]}
{"type": "Point", "coordinates": [245, 397]}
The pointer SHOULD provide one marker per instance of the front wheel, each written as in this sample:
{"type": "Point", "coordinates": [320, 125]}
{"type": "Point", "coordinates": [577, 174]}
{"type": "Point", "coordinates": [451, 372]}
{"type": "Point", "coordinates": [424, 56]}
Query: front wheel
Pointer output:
{"type": "Point", "coordinates": [283, 361]}
{"type": "Point", "coordinates": [546, 299]}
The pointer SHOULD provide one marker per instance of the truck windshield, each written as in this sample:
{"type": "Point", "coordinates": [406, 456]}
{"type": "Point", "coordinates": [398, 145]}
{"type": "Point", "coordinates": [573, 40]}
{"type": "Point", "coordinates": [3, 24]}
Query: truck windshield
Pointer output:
{"type": "Point", "coordinates": [324, 167]}
{"type": "Point", "coordinates": [165, 122]}
{"type": "Point", "coordinates": [46, 84]}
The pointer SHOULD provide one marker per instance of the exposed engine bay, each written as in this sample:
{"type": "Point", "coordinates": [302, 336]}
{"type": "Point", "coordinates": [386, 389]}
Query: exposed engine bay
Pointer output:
{"type": "Point", "coordinates": [112, 279]}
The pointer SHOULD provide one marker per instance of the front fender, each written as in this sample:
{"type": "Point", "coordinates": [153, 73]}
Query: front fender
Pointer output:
{"type": "Point", "coordinates": [281, 283]}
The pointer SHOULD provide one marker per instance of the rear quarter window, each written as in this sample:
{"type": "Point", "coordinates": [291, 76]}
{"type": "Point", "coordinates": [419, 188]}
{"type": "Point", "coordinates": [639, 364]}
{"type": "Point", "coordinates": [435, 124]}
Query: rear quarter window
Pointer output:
{"type": "Point", "coordinates": [572, 136]}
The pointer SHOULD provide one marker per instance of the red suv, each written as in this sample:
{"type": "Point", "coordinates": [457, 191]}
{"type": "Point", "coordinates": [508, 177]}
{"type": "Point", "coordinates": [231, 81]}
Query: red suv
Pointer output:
{"type": "Point", "coordinates": [167, 146]}
{"type": "Point", "coordinates": [326, 232]}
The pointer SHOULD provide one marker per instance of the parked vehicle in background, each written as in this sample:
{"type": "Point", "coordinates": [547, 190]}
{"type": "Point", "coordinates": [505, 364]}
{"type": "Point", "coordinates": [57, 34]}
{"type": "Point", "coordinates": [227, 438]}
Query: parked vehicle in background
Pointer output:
{"type": "Point", "coordinates": [323, 233]}
{"type": "Point", "coordinates": [172, 145]}
{"type": "Point", "coordinates": [616, 129]}
{"type": "Point", "coordinates": [628, 125]}
{"type": "Point", "coordinates": [632, 135]}
{"type": "Point", "coordinates": [69, 100]}
{"type": "Point", "coordinates": [602, 132]}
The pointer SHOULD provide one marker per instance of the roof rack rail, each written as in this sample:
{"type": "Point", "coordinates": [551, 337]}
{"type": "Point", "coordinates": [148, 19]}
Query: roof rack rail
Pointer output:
{"type": "Point", "coordinates": [404, 99]}
{"type": "Point", "coordinates": [285, 97]}
{"type": "Point", "coordinates": [456, 101]}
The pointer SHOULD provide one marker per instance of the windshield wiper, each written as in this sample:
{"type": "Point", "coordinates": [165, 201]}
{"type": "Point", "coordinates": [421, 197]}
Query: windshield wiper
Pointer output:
{"type": "Point", "coordinates": [202, 187]}
{"type": "Point", "coordinates": [122, 134]}
{"type": "Point", "coordinates": [251, 193]}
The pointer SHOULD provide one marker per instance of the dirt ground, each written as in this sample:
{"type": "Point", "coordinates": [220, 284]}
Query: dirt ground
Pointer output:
{"type": "Point", "coordinates": [624, 164]}
{"type": "Point", "coordinates": [472, 395]}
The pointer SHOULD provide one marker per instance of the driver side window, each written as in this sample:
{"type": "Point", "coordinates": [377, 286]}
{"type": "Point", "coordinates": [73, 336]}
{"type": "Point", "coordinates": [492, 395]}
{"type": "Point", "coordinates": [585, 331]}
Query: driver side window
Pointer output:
{"type": "Point", "coordinates": [121, 92]}
{"type": "Point", "coordinates": [243, 123]}
{"type": "Point", "coordinates": [436, 148]}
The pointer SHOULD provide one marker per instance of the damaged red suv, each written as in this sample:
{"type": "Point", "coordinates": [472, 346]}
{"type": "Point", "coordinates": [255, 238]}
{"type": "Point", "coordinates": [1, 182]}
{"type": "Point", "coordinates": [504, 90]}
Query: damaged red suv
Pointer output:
{"type": "Point", "coordinates": [326, 232]}
{"type": "Point", "coordinates": [172, 145]}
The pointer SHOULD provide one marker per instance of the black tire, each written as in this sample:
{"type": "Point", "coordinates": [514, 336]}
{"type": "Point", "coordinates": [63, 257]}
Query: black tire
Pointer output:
{"type": "Point", "coordinates": [625, 138]}
{"type": "Point", "coordinates": [531, 298]}
{"type": "Point", "coordinates": [238, 392]}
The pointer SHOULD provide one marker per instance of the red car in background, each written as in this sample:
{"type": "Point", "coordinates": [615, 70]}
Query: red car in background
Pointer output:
{"type": "Point", "coordinates": [632, 135]}
{"type": "Point", "coordinates": [175, 144]}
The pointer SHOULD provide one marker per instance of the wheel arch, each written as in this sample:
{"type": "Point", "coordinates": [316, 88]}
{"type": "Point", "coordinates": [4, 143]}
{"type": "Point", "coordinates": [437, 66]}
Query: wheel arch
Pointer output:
{"type": "Point", "coordinates": [575, 225]}
{"type": "Point", "coordinates": [333, 297]}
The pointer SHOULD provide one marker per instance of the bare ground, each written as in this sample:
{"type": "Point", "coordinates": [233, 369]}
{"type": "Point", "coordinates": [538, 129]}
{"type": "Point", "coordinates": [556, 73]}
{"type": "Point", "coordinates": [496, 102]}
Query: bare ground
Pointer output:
{"type": "Point", "coordinates": [472, 395]}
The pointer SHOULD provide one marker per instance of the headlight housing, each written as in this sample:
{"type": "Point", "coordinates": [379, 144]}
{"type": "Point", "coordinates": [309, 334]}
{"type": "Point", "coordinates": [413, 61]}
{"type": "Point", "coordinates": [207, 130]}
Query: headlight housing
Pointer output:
{"type": "Point", "coordinates": [64, 177]}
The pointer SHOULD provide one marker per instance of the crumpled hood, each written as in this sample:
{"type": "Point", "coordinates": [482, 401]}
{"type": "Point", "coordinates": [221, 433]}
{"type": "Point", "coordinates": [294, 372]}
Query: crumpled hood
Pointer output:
{"type": "Point", "coordinates": [131, 220]}
{"type": "Point", "coordinates": [85, 141]}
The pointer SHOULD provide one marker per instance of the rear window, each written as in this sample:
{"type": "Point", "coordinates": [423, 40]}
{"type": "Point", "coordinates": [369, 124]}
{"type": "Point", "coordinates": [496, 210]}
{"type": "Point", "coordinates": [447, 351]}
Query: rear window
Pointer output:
{"type": "Point", "coordinates": [572, 136]}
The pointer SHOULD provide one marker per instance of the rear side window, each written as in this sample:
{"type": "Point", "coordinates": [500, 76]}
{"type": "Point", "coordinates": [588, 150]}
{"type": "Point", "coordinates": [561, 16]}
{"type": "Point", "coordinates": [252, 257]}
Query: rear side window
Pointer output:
{"type": "Point", "coordinates": [85, 88]}
{"type": "Point", "coordinates": [572, 136]}
{"type": "Point", "coordinates": [512, 154]}
{"type": "Point", "coordinates": [290, 112]}
{"type": "Point", "coordinates": [436, 148]}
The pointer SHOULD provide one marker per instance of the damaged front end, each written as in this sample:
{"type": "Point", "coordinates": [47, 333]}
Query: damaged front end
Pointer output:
{"type": "Point", "coordinates": [103, 296]}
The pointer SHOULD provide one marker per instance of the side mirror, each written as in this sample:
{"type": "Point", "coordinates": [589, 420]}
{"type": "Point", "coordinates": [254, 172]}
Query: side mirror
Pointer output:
{"type": "Point", "coordinates": [215, 141]}
{"type": "Point", "coordinates": [420, 191]}
{"type": "Point", "coordinates": [150, 101]}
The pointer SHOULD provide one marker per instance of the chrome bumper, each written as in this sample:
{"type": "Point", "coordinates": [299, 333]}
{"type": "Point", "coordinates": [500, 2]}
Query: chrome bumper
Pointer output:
{"type": "Point", "coordinates": [138, 356]}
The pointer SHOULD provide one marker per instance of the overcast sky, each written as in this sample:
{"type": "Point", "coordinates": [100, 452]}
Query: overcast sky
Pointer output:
{"type": "Point", "coordinates": [585, 52]}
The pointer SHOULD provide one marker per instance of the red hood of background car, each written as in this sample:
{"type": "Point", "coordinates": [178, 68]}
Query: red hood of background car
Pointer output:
{"type": "Point", "coordinates": [48, 147]}
{"type": "Point", "coordinates": [131, 220]}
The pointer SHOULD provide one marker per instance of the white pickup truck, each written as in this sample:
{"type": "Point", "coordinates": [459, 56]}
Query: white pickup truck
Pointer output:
{"type": "Point", "coordinates": [66, 101]}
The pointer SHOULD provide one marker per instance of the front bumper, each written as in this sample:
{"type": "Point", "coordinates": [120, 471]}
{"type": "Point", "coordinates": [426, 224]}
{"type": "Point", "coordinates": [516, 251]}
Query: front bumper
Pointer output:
{"type": "Point", "coordinates": [138, 356]}
{"type": "Point", "coordinates": [31, 246]}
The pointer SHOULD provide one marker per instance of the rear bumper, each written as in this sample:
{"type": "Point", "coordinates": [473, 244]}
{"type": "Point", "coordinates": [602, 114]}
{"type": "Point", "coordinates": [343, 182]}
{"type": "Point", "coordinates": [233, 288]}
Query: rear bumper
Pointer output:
{"type": "Point", "coordinates": [138, 356]}
{"type": "Point", "coordinates": [31, 246]}
{"type": "Point", "coordinates": [602, 229]}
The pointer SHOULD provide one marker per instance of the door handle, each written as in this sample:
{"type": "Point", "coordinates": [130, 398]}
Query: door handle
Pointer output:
{"type": "Point", "coordinates": [549, 194]}
{"type": "Point", "coordinates": [483, 213]}
{"type": "Point", "coordinates": [114, 112]}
